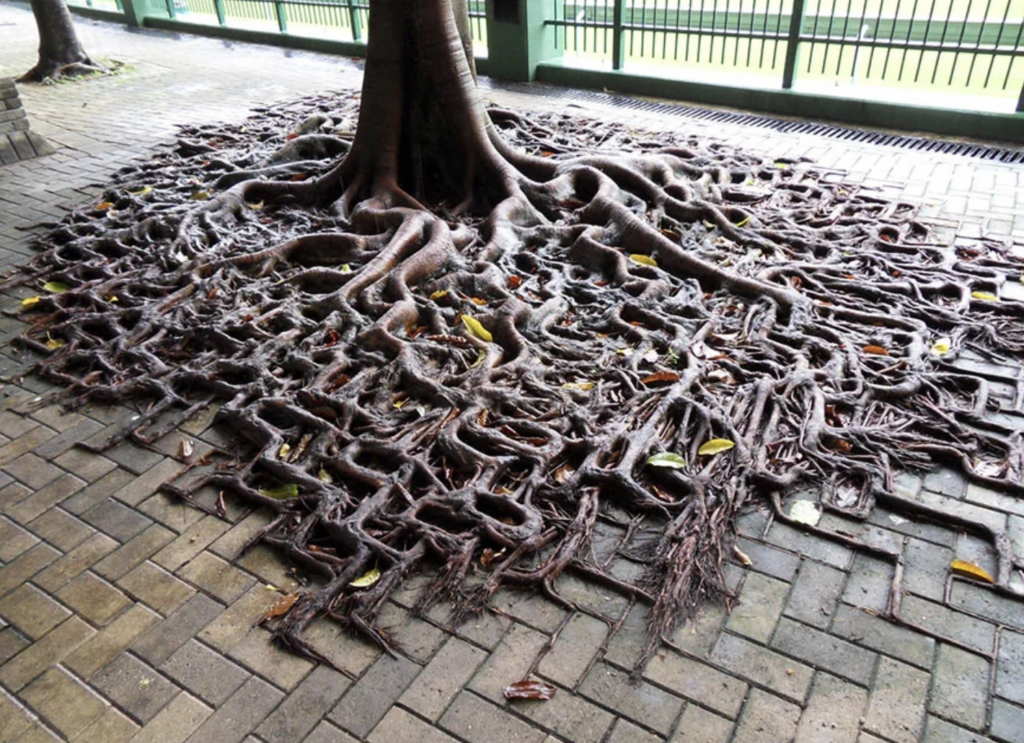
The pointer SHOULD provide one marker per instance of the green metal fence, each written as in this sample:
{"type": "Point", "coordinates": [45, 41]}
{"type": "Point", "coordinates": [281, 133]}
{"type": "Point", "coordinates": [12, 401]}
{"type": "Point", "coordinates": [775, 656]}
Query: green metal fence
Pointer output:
{"type": "Point", "coordinates": [968, 47]}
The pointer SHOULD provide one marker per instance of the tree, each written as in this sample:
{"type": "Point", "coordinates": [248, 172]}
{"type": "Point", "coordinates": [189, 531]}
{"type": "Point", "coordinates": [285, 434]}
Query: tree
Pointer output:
{"type": "Point", "coordinates": [60, 53]}
{"type": "Point", "coordinates": [479, 344]}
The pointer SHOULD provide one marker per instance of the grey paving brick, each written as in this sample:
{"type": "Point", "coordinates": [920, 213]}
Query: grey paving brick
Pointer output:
{"type": "Point", "coordinates": [478, 721]}
{"type": "Point", "coordinates": [700, 726]}
{"type": "Point", "coordinates": [927, 568]}
{"type": "Point", "coordinates": [338, 645]}
{"type": "Point", "coordinates": [398, 726]}
{"type": "Point", "coordinates": [987, 604]}
{"type": "Point", "coordinates": [12, 642]}
{"type": "Point", "coordinates": [568, 716]}
{"type": "Point", "coordinates": [37, 504]}
{"type": "Point", "coordinates": [1010, 666]}
{"type": "Point", "coordinates": [216, 577]}
{"type": "Point", "coordinates": [766, 717]}
{"type": "Point", "coordinates": [833, 713]}
{"type": "Point", "coordinates": [770, 560]}
{"type": "Point", "coordinates": [133, 553]}
{"type": "Point", "coordinates": [940, 731]}
{"type": "Point", "coordinates": [760, 606]}
{"type": "Point", "coordinates": [257, 652]}
{"type": "Point", "coordinates": [136, 688]}
{"type": "Point", "coordinates": [419, 639]}
{"type": "Point", "coordinates": [14, 540]}
{"type": "Point", "coordinates": [33, 471]}
{"type": "Point", "coordinates": [110, 727]}
{"type": "Point", "coordinates": [825, 651]}
{"type": "Point", "coordinates": [93, 598]}
{"type": "Point", "coordinates": [61, 529]}
{"type": "Point", "coordinates": [26, 565]}
{"type": "Point", "coordinates": [960, 687]}
{"type": "Point", "coordinates": [116, 520]}
{"type": "Point", "coordinates": [299, 713]}
{"type": "Point", "coordinates": [65, 703]}
{"type": "Point", "coordinates": [97, 492]}
{"type": "Point", "coordinates": [509, 663]}
{"type": "Point", "coordinates": [880, 634]}
{"type": "Point", "coordinates": [627, 732]}
{"type": "Point", "coordinates": [762, 666]}
{"type": "Point", "coordinates": [72, 564]}
{"type": "Point", "coordinates": [175, 722]}
{"type": "Point", "coordinates": [103, 647]}
{"type": "Point", "coordinates": [204, 673]}
{"type": "Point", "coordinates": [434, 689]}
{"type": "Point", "coordinates": [171, 634]}
{"type": "Point", "coordinates": [697, 682]}
{"type": "Point", "coordinates": [32, 611]}
{"type": "Point", "coordinates": [529, 608]}
{"type": "Point", "coordinates": [786, 537]}
{"type": "Point", "coordinates": [574, 650]}
{"type": "Point", "coordinates": [1007, 722]}
{"type": "Point", "coordinates": [325, 732]}
{"type": "Point", "coordinates": [869, 583]}
{"type": "Point", "coordinates": [643, 703]}
{"type": "Point", "coordinates": [815, 594]}
{"type": "Point", "coordinates": [368, 700]}
{"type": "Point", "coordinates": [240, 715]}
{"type": "Point", "coordinates": [940, 619]}
{"type": "Point", "coordinates": [896, 707]}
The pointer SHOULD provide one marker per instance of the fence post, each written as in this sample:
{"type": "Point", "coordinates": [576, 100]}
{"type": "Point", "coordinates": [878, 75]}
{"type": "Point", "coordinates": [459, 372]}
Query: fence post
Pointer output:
{"type": "Point", "coordinates": [796, 25]}
{"type": "Point", "coordinates": [1020, 102]}
{"type": "Point", "coordinates": [618, 35]}
{"type": "Point", "coordinates": [218, 8]}
{"type": "Point", "coordinates": [357, 28]}
{"type": "Point", "coordinates": [282, 16]}
{"type": "Point", "coordinates": [518, 38]}
{"type": "Point", "coordinates": [171, 13]}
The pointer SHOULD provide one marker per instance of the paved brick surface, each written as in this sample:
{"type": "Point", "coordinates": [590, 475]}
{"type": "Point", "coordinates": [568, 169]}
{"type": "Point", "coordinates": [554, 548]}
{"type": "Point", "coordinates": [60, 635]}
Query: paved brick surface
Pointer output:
{"type": "Point", "coordinates": [124, 616]}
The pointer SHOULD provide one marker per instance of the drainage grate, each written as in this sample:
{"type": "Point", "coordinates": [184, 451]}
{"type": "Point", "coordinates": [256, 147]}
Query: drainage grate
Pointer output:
{"type": "Point", "coordinates": [907, 142]}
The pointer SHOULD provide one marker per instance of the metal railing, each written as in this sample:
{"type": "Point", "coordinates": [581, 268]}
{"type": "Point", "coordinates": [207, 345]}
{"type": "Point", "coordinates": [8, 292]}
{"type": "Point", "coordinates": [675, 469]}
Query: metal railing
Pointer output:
{"type": "Point", "coordinates": [968, 47]}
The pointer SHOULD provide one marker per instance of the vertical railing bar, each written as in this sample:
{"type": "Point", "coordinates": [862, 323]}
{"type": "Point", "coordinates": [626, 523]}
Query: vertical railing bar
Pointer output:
{"type": "Point", "coordinates": [711, 31]}
{"type": "Point", "coordinates": [846, 28]}
{"type": "Point", "coordinates": [750, 30]}
{"type": "Point", "coordinates": [353, 16]}
{"type": "Point", "coordinates": [927, 34]}
{"type": "Point", "coordinates": [725, 32]}
{"type": "Point", "coordinates": [892, 38]}
{"type": "Point", "coordinates": [942, 40]}
{"type": "Point", "coordinates": [796, 22]}
{"type": "Point", "coordinates": [977, 44]}
{"type": "Point", "coordinates": [775, 43]}
{"type": "Point", "coordinates": [959, 42]}
{"type": "Point", "coordinates": [997, 45]}
{"type": "Point", "coordinates": [739, 26]}
{"type": "Point", "coordinates": [1020, 100]}
{"type": "Point", "coordinates": [764, 33]}
{"type": "Point", "coordinates": [878, 25]}
{"type": "Point", "coordinates": [643, 25]}
{"type": "Point", "coordinates": [689, 26]}
{"type": "Point", "coordinates": [218, 8]}
{"type": "Point", "coordinates": [618, 42]}
{"type": "Point", "coordinates": [910, 37]}
{"type": "Point", "coordinates": [700, 31]}
{"type": "Point", "coordinates": [1014, 57]}
{"type": "Point", "coordinates": [814, 36]}
{"type": "Point", "coordinates": [675, 54]}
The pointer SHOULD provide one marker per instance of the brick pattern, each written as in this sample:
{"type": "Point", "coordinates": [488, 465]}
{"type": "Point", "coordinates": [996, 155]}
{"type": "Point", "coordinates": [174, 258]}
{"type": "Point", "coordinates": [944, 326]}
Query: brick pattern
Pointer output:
{"type": "Point", "coordinates": [124, 616]}
{"type": "Point", "coordinates": [16, 141]}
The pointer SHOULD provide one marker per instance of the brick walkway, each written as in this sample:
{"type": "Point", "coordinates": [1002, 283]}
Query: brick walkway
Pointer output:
{"type": "Point", "coordinates": [124, 617]}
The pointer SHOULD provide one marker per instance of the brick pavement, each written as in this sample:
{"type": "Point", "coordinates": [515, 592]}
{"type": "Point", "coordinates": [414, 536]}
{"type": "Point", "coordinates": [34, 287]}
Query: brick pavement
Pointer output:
{"type": "Point", "coordinates": [125, 617]}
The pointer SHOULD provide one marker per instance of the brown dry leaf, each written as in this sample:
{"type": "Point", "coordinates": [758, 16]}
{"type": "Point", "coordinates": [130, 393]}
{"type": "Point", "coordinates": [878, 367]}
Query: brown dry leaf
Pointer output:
{"type": "Point", "coordinates": [185, 448]}
{"type": "Point", "coordinates": [104, 205]}
{"type": "Point", "coordinates": [970, 570]}
{"type": "Point", "coordinates": [661, 377]}
{"type": "Point", "coordinates": [563, 473]}
{"type": "Point", "coordinates": [489, 556]}
{"type": "Point", "coordinates": [280, 607]}
{"type": "Point", "coordinates": [536, 691]}
{"type": "Point", "coordinates": [478, 301]}
{"type": "Point", "coordinates": [742, 556]}
{"type": "Point", "coordinates": [876, 350]}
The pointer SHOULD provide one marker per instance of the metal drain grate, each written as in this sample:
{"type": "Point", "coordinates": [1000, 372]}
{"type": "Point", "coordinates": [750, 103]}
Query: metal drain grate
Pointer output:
{"type": "Point", "coordinates": [907, 142]}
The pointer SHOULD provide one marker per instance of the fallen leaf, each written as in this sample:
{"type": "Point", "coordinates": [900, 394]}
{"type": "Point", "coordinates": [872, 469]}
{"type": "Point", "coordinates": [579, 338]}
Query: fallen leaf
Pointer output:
{"type": "Point", "coordinates": [478, 301]}
{"type": "Point", "coordinates": [257, 206]}
{"type": "Point", "coordinates": [563, 473]}
{"type": "Point", "coordinates": [54, 343]}
{"type": "Point", "coordinates": [324, 476]}
{"type": "Point", "coordinates": [439, 293]}
{"type": "Point", "coordinates": [200, 196]}
{"type": "Point", "coordinates": [743, 221]}
{"type": "Point", "coordinates": [742, 556]}
{"type": "Point", "coordinates": [514, 282]}
{"type": "Point", "coordinates": [537, 691]}
{"type": "Point", "coordinates": [489, 556]}
{"type": "Point", "coordinates": [480, 356]}
{"type": "Point", "coordinates": [582, 386]}
{"type": "Point", "coordinates": [284, 451]}
{"type": "Point", "coordinates": [141, 191]}
{"type": "Point", "coordinates": [104, 205]}
{"type": "Point", "coordinates": [31, 301]}
{"type": "Point", "coordinates": [477, 329]}
{"type": "Point", "coordinates": [876, 350]}
{"type": "Point", "coordinates": [985, 296]}
{"type": "Point", "coordinates": [345, 268]}
{"type": "Point", "coordinates": [666, 459]}
{"type": "Point", "coordinates": [715, 446]}
{"type": "Point", "coordinates": [291, 490]}
{"type": "Point", "coordinates": [55, 287]}
{"type": "Point", "coordinates": [643, 260]}
{"type": "Point", "coordinates": [185, 448]}
{"type": "Point", "coordinates": [664, 376]}
{"type": "Point", "coordinates": [970, 570]}
{"type": "Point", "coordinates": [367, 579]}
{"type": "Point", "coordinates": [941, 347]}
{"type": "Point", "coordinates": [280, 607]}
{"type": "Point", "coordinates": [805, 512]}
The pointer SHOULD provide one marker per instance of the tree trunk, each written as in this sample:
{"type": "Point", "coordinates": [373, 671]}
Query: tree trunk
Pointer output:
{"type": "Point", "coordinates": [60, 52]}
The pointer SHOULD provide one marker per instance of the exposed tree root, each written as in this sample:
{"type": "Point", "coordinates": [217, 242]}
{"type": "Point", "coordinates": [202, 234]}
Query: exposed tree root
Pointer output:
{"type": "Point", "coordinates": [630, 304]}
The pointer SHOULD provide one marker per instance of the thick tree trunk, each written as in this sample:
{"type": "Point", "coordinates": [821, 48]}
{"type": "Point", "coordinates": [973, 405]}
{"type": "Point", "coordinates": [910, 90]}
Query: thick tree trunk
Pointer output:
{"type": "Point", "coordinates": [422, 127]}
{"type": "Point", "coordinates": [60, 52]}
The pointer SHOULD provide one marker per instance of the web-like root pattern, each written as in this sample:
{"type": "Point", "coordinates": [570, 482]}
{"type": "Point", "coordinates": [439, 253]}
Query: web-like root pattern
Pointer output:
{"type": "Point", "coordinates": [433, 389]}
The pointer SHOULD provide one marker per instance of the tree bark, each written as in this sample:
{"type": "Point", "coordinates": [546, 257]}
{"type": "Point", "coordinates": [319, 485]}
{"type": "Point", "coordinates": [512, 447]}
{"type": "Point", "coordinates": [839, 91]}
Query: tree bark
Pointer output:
{"type": "Point", "coordinates": [60, 52]}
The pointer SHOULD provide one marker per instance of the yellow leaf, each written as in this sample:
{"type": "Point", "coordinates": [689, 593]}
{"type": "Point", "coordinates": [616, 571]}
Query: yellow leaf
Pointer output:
{"type": "Point", "coordinates": [985, 296]}
{"type": "Point", "coordinates": [54, 343]}
{"type": "Point", "coordinates": [367, 579]}
{"type": "Point", "coordinates": [324, 476]}
{"type": "Point", "coordinates": [715, 446]}
{"type": "Point", "coordinates": [743, 221]}
{"type": "Point", "coordinates": [624, 351]}
{"type": "Point", "coordinates": [481, 355]}
{"type": "Point", "coordinates": [582, 386]}
{"type": "Point", "coordinates": [474, 327]}
{"type": "Point", "coordinates": [643, 260]}
{"type": "Point", "coordinates": [666, 459]}
{"type": "Point", "coordinates": [941, 347]}
{"type": "Point", "coordinates": [291, 490]}
{"type": "Point", "coordinates": [104, 205]}
{"type": "Point", "coordinates": [141, 191]}
{"type": "Point", "coordinates": [970, 570]}
{"type": "Point", "coordinates": [200, 196]}
{"type": "Point", "coordinates": [345, 268]}
{"type": "Point", "coordinates": [55, 287]}
{"type": "Point", "coordinates": [284, 451]}
{"type": "Point", "coordinates": [439, 293]}
{"type": "Point", "coordinates": [30, 301]}
{"type": "Point", "coordinates": [113, 299]}
{"type": "Point", "coordinates": [257, 206]}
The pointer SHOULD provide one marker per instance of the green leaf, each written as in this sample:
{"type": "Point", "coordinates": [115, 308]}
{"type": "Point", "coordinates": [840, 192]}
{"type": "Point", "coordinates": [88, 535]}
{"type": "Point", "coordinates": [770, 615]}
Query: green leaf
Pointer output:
{"type": "Point", "coordinates": [345, 268]}
{"type": "Point", "coordinates": [367, 579]}
{"type": "Point", "coordinates": [324, 476]}
{"type": "Point", "coordinates": [715, 446]}
{"type": "Point", "coordinates": [481, 355]}
{"type": "Point", "coordinates": [477, 329]}
{"type": "Point", "coordinates": [291, 490]}
{"type": "Point", "coordinates": [743, 221]}
{"type": "Point", "coordinates": [667, 459]}
{"type": "Point", "coordinates": [55, 287]}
